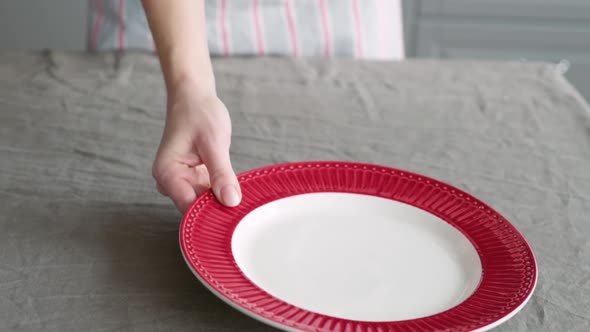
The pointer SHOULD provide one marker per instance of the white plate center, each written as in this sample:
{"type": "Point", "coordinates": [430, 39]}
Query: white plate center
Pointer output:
{"type": "Point", "coordinates": [356, 257]}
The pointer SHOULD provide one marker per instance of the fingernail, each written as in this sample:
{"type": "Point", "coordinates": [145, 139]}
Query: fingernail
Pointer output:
{"type": "Point", "coordinates": [230, 196]}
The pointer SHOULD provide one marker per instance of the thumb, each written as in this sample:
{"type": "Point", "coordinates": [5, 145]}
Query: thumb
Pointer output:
{"type": "Point", "coordinates": [224, 182]}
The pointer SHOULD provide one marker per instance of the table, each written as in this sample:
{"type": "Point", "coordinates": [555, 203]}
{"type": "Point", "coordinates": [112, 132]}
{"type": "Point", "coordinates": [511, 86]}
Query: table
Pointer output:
{"type": "Point", "coordinates": [87, 244]}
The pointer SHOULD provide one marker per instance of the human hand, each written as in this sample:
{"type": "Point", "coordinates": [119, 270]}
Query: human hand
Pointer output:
{"type": "Point", "coordinates": [194, 152]}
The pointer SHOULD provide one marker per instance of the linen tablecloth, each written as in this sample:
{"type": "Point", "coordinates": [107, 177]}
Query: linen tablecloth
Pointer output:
{"type": "Point", "coordinates": [87, 244]}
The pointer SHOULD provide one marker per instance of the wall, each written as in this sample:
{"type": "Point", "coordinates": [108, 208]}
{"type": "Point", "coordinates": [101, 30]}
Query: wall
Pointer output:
{"type": "Point", "coordinates": [39, 24]}
{"type": "Point", "coordinates": [556, 31]}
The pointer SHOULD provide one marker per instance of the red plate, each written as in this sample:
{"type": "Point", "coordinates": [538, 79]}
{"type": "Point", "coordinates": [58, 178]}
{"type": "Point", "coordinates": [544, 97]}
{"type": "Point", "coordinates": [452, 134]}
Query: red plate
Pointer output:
{"type": "Point", "coordinates": [509, 271]}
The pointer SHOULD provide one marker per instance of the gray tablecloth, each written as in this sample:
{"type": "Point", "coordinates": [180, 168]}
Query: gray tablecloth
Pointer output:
{"type": "Point", "coordinates": [86, 243]}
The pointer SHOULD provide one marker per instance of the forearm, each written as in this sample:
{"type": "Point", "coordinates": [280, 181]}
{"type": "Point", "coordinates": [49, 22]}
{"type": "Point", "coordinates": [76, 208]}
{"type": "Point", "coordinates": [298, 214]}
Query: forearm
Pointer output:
{"type": "Point", "coordinates": [180, 35]}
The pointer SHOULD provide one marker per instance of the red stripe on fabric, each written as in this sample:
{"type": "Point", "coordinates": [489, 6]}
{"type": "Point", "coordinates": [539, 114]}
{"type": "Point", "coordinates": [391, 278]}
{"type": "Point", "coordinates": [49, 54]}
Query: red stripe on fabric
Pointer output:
{"type": "Point", "coordinates": [224, 30]}
{"type": "Point", "coordinates": [357, 28]}
{"type": "Point", "coordinates": [97, 25]}
{"type": "Point", "coordinates": [258, 27]}
{"type": "Point", "coordinates": [121, 32]}
{"type": "Point", "coordinates": [292, 29]}
{"type": "Point", "coordinates": [326, 28]}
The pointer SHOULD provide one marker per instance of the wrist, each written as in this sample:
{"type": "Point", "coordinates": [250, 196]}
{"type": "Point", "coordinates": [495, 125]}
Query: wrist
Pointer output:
{"type": "Point", "coordinates": [189, 95]}
{"type": "Point", "coordinates": [187, 68]}
{"type": "Point", "coordinates": [199, 86]}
